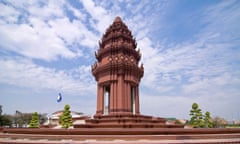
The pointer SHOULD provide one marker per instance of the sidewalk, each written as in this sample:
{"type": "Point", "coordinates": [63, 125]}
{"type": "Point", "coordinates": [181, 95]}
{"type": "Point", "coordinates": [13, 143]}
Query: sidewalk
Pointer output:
{"type": "Point", "coordinates": [45, 141]}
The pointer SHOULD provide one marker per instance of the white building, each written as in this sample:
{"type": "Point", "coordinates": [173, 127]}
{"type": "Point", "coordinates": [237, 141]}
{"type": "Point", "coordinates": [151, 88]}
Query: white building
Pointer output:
{"type": "Point", "coordinates": [54, 119]}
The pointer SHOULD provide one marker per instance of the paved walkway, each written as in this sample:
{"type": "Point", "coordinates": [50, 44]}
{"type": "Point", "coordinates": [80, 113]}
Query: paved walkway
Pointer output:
{"type": "Point", "coordinates": [45, 141]}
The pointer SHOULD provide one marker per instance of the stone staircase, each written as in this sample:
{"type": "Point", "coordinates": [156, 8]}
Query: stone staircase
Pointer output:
{"type": "Point", "coordinates": [126, 121]}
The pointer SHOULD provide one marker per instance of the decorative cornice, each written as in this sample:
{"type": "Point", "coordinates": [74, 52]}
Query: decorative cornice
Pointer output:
{"type": "Point", "coordinates": [118, 48]}
{"type": "Point", "coordinates": [119, 68]}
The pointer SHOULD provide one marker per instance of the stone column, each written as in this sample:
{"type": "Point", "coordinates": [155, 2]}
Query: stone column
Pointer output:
{"type": "Point", "coordinates": [125, 102]}
{"type": "Point", "coordinates": [114, 96]}
{"type": "Point", "coordinates": [101, 100]}
{"type": "Point", "coordinates": [120, 93]}
{"type": "Point", "coordinates": [98, 99]}
{"type": "Point", "coordinates": [111, 98]}
{"type": "Point", "coordinates": [99, 110]}
{"type": "Point", "coordinates": [137, 100]}
{"type": "Point", "coordinates": [129, 97]}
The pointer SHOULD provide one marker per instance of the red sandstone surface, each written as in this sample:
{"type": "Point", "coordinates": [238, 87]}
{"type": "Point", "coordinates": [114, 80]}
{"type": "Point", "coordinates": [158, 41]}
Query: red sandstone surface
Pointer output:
{"type": "Point", "coordinates": [120, 135]}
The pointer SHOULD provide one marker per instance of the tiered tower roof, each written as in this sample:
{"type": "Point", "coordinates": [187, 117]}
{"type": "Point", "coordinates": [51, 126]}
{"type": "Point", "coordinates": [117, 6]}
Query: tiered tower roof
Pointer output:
{"type": "Point", "coordinates": [118, 48]}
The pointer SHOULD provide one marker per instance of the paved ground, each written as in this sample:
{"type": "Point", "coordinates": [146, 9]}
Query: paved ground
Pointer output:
{"type": "Point", "coordinates": [45, 141]}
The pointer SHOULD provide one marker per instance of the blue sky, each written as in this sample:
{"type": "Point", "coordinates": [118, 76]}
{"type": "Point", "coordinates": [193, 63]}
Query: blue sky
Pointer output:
{"type": "Point", "coordinates": [190, 51]}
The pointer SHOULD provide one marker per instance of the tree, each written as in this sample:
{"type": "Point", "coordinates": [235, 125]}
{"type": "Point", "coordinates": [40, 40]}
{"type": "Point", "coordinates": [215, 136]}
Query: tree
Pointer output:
{"type": "Point", "coordinates": [18, 119]}
{"type": "Point", "coordinates": [0, 110]}
{"type": "Point", "coordinates": [196, 116]}
{"type": "Point", "coordinates": [34, 121]}
{"type": "Point", "coordinates": [66, 117]}
{"type": "Point", "coordinates": [208, 120]}
{"type": "Point", "coordinates": [5, 120]}
{"type": "Point", "coordinates": [42, 118]}
{"type": "Point", "coordinates": [22, 119]}
{"type": "Point", "coordinates": [219, 122]}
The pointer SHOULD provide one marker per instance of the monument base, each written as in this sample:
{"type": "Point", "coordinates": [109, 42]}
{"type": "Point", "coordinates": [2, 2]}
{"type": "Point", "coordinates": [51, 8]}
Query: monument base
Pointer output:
{"type": "Point", "coordinates": [126, 120]}
{"type": "Point", "coordinates": [120, 135]}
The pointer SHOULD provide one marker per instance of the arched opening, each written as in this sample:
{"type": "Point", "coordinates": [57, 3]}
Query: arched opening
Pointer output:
{"type": "Point", "coordinates": [106, 99]}
{"type": "Point", "coordinates": [133, 96]}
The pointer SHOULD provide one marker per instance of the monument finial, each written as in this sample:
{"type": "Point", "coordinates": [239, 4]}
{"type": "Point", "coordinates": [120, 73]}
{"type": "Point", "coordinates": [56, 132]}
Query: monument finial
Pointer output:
{"type": "Point", "coordinates": [117, 19]}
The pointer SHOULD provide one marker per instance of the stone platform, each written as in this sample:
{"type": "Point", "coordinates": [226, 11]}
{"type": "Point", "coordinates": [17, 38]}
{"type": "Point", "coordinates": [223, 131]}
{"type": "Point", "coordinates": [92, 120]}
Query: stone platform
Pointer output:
{"type": "Point", "coordinates": [121, 135]}
{"type": "Point", "coordinates": [126, 121]}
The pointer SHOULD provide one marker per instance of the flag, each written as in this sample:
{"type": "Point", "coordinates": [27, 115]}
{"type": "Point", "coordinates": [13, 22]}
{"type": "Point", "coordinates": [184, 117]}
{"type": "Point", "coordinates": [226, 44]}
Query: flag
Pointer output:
{"type": "Point", "coordinates": [59, 97]}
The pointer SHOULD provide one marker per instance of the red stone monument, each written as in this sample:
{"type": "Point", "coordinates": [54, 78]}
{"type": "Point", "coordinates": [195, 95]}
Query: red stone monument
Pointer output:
{"type": "Point", "coordinates": [117, 72]}
{"type": "Point", "coordinates": [118, 75]}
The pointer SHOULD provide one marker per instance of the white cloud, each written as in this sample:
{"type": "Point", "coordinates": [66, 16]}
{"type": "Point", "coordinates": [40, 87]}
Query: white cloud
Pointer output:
{"type": "Point", "coordinates": [46, 10]}
{"type": "Point", "coordinates": [98, 14]}
{"type": "Point", "coordinates": [38, 42]}
{"type": "Point", "coordinates": [186, 62]}
{"type": "Point", "coordinates": [44, 31]}
{"type": "Point", "coordinates": [204, 70]}
{"type": "Point", "coordinates": [73, 32]}
{"type": "Point", "coordinates": [221, 84]}
{"type": "Point", "coordinates": [166, 106]}
{"type": "Point", "coordinates": [223, 16]}
{"type": "Point", "coordinates": [76, 12]}
{"type": "Point", "coordinates": [9, 14]}
{"type": "Point", "coordinates": [222, 102]}
{"type": "Point", "coordinates": [26, 74]}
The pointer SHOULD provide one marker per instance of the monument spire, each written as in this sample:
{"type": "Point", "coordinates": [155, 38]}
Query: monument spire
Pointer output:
{"type": "Point", "coordinates": [116, 71]}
